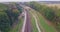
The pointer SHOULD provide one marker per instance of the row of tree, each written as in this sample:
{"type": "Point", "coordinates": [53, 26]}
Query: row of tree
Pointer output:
{"type": "Point", "coordinates": [8, 15]}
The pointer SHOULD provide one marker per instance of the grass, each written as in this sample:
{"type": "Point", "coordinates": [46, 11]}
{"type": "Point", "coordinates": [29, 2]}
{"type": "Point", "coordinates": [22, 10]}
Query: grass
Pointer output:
{"type": "Point", "coordinates": [43, 23]}
{"type": "Point", "coordinates": [58, 27]}
{"type": "Point", "coordinates": [34, 28]}
{"type": "Point", "coordinates": [18, 26]}
{"type": "Point", "coordinates": [46, 27]}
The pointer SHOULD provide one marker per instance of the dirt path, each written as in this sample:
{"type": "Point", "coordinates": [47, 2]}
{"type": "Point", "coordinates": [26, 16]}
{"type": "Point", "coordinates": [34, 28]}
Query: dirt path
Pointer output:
{"type": "Point", "coordinates": [26, 25]}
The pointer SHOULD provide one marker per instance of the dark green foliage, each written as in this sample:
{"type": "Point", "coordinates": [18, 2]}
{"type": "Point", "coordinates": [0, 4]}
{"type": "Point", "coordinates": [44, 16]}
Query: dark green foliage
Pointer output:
{"type": "Point", "coordinates": [4, 22]}
{"type": "Point", "coordinates": [7, 17]}
{"type": "Point", "coordinates": [19, 8]}
{"type": "Point", "coordinates": [15, 13]}
{"type": "Point", "coordinates": [49, 14]}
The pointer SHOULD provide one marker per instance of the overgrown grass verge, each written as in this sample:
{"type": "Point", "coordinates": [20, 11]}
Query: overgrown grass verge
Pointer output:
{"type": "Point", "coordinates": [43, 23]}
{"type": "Point", "coordinates": [34, 28]}
{"type": "Point", "coordinates": [18, 26]}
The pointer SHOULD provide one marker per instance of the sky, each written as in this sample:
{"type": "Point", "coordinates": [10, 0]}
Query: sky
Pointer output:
{"type": "Point", "coordinates": [24, 0]}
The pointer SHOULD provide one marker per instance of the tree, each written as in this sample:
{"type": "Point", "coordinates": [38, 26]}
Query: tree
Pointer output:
{"type": "Point", "coordinates": [15, 13]}
{"type": "Point", "coordinates": [4, 22]}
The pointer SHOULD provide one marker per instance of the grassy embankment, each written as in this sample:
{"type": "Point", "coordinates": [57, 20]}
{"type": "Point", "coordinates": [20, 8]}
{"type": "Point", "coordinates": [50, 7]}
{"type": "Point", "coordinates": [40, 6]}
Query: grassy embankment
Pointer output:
{"type": "Point", "coordinates": [34, 28]}
{"type": "Point", "coordinates": [43, 23]}
{"type": "Point", "coordinates": [18, 26]}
